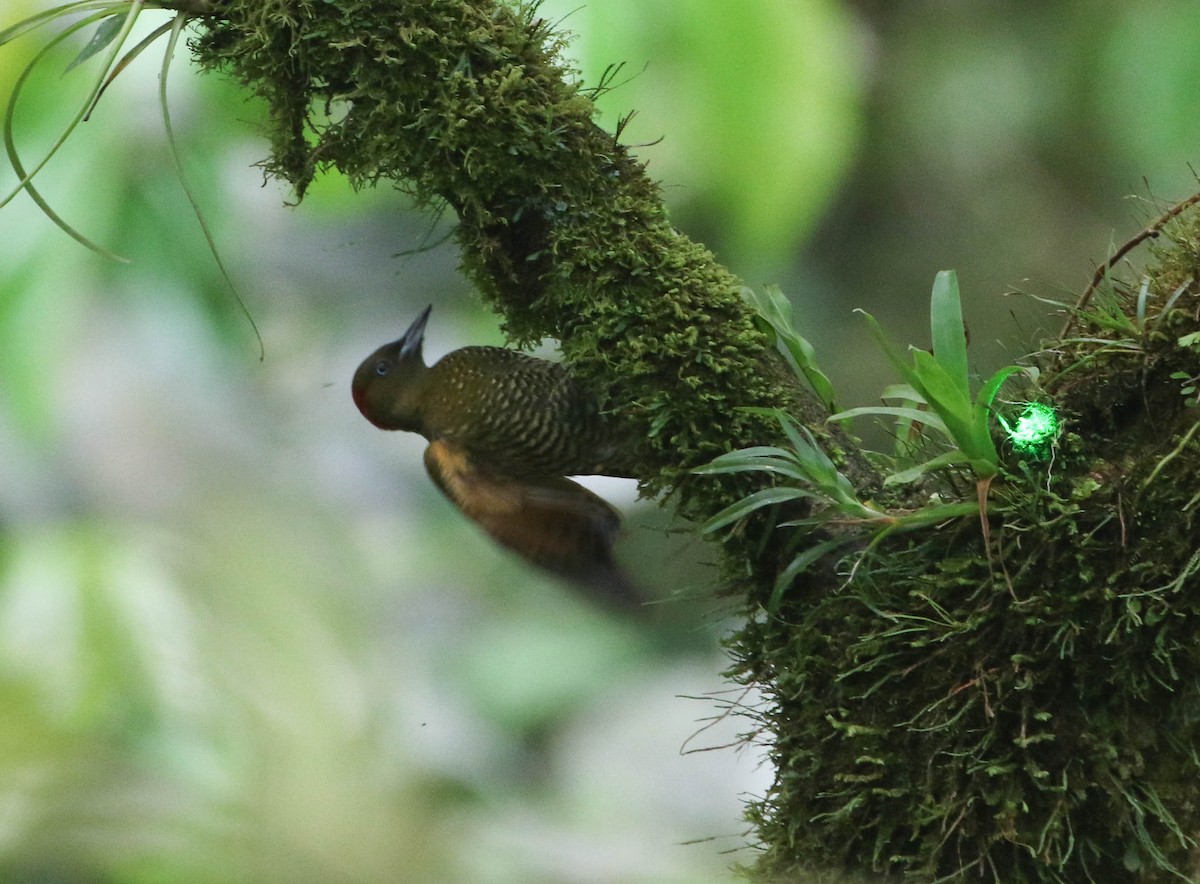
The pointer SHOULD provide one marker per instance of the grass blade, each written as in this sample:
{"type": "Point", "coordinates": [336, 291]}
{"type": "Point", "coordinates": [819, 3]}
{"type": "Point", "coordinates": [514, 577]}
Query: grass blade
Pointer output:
{"type": "Point", "coordinates": [46, 16]}
{"type": "Point", "coordinates": [10, 146]}
{"type": "Point", "coordinates": [25, 183]}
{"type": "Point", "coordinates": [796, 567]}
{"type": "Point", "coordinates": [105, 34]}
{"type": "Point", "coordinates": [177, 25]}
{"type": "Point", "coordinates": [756, 501]}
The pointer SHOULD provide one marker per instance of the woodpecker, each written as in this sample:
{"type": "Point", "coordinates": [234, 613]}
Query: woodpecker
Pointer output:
{"type": "Point", "coordinates": [505, 430]}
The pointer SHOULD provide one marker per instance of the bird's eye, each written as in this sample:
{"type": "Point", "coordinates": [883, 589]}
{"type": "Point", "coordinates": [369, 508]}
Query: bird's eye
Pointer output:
{"type": "Point", "coordinates": [382, 367]}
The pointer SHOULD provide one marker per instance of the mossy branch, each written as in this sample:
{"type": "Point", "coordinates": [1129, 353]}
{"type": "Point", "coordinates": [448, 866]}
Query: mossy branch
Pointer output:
{"type": "Point", "coordinates": [1022, 705]}
{"type": "Point", "coordinates": [1022, 708]}
{"type": "Point", "coordinates": [470, 104]}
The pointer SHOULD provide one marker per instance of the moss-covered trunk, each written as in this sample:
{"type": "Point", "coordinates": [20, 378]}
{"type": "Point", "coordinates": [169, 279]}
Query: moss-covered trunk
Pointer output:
{"type": "Point", "coordinates": [561, 230]}
{"type": "Point", "coordinates": [1027, 712]}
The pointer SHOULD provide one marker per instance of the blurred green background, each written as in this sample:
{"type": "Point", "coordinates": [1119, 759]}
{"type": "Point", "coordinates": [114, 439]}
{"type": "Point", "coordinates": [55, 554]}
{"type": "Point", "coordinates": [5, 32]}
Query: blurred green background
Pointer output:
{"type": "Point", "coordinates": [242, 638]}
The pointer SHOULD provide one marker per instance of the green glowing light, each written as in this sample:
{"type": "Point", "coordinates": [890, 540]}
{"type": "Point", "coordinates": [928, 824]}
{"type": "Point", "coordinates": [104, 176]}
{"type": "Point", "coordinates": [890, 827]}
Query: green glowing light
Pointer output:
{"type": "Point", "coordinates": [1034, 432]}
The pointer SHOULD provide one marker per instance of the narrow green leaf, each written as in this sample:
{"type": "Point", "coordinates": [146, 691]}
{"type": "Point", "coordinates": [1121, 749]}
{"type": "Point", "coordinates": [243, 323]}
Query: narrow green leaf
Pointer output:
{"type": "Point", "coordinates": [1170, 304]}
{"type": "Point", "coordinates": [106, 32]}
{"type": "Point", "coordinates": [901, 391]}
{"type": "Point", "coordinates": [804, 354]}
{"type": "Point", "coordinates": [913, 414]}
{"type": "Point", "coordinates": [947, 331]}
{"type": "Point", "coordinates": [1107, 342]}
{"type": "Point", "coordinates": [992, 385]}
{"type": "Point", "coordinates": [776, 466]}
{"type": "Point", "coordinates": [944, 393]}
{"type": "Point", "coordinates": [931, 515]}
{"type": "Point", "coordinates": [815, 463]}
{"type": "Point", "coordinates": [1143, 296]}
{"type": "Point", "coordinates": [801, 444]}
{"type": "Point", "coordinates": [912, 474]}
{"type": "Point", "coordinates": [960, 416]}
{"type": "Point", "coordinates": [126, 60]}
{"type": "Point", "coordinates": [1058, 305]}
{"type": "Point", "coordinates": [776, 309]}
{"type": "Point", "coordinates": [177, 26]}
{"type": "Point", "coordinates": [893, 355]}
{"type": "Point", "coordinates": [46, 16]}
{"type": "Point", "coordinates": [796, 567]}
{"type": "Point", "coordinates": [753, 451]}
{"type": "Point", "coordinates": [10, 111]}
{"type": "Point", "coordinates": [25, 183]}
{"type": "Point", "coordinates": [747, 505]}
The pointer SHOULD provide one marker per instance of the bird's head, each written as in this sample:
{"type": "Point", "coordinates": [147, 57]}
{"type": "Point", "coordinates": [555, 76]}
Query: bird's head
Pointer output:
{"type": "Point", "coordinates": [387, 385]}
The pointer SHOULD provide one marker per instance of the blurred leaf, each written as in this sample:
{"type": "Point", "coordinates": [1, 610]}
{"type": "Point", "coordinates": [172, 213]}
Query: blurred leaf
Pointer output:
{"type": "Point", "coordinates": [530, 668]}
{"type": "Point", "coordinates": [106, 32]}
{"type": "Point", "coordinates": [1145, 92]}
{"type": "Point", "coordinates": [760, 103]}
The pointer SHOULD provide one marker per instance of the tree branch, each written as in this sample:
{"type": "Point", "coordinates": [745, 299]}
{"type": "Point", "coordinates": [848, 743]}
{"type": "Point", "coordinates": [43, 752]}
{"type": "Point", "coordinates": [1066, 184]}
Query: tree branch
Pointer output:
{"type": "Point", "coordinates": [1021, 704]}
{"type": "Point", "coordinates": [561, 229]}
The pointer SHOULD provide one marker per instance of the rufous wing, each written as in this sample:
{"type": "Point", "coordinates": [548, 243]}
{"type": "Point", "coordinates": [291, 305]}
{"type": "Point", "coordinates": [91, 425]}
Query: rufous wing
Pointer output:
{"type": "Point", "coordinates": [552, 522]}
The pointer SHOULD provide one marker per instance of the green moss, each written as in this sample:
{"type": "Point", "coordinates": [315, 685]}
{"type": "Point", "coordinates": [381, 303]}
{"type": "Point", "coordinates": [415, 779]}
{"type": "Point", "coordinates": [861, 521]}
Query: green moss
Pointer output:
{"type": "Point", "coordinates": [1022, 713]}
{"type": "Point", "coordinates": [1029, 714]}
{"type": "Point", "coordinates": [469, 103]}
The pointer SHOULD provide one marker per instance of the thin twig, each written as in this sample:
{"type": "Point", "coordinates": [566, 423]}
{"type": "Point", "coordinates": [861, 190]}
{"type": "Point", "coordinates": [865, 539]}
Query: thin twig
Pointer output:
{"type": "Point", "coordinates": [1149, 232]}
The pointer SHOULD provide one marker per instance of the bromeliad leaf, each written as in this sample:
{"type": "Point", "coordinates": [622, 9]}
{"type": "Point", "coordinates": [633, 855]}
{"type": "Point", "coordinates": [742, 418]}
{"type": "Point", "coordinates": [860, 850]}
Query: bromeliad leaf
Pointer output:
{"type": "Point", "coordinates": [755, 501]}
{"type": "Point", "coordinates": [941, 381]}
{"type": "Point", "coordinates": [757, 459]}
{"type": "Point", "coordinates": [912, 474]}
{"type": "Point", "coordinates": [816, 476]}
{"type": "Point", "coordinates": [947, 332]}
{"type": "Point", "coordinates": [775, 309]}
{"type": "Point", "coordinates": [914, 415]}
{"type": "Point", "coordinates": [798, 566]}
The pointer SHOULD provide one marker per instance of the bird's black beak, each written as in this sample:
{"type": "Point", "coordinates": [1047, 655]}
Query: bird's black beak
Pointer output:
{"type": "Point", "coordinates": [410, 343]}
